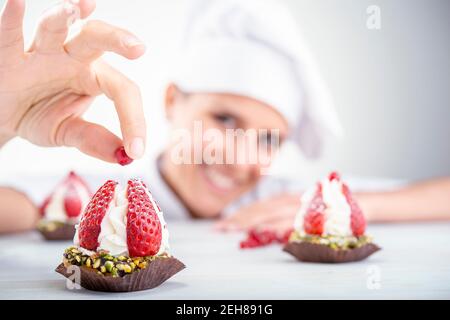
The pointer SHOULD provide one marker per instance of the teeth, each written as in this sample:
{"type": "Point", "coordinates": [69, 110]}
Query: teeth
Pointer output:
{"type": "Point", "coordinates": [219, 179]}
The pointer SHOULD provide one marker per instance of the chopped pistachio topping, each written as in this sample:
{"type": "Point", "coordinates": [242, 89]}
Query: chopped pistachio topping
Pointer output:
{"type": "Point", "coordinates": [106, 264]}
{"type": "Point", "coordinates": [49, 226]}
{"type": "Point", "coordinates": [334, 242]}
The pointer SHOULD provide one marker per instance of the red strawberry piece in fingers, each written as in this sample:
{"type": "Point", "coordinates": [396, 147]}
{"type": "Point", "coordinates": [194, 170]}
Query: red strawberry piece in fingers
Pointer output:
{"type": "Point", "coordinates": [89, 228]}
{"type": "Point", "coordinates": [144, 233]}
{"type": "Point", "coordinates": [122, 157]}
{"type": "Point", "coordinates": [358, 221]}
{"type": "Point", "coordinates": [314, 219]}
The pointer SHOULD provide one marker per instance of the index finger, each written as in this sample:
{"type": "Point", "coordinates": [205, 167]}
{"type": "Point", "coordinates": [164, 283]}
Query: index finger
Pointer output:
{"type": "Point", "coordinates": [127, 99]}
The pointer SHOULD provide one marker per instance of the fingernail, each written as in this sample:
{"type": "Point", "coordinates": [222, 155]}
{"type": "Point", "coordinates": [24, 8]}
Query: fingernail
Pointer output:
{"type": "Point", "coordinates": [137, 148]}
{"type": "Point", "coordinates": [132, 42]}
{"type": "Point", "coordinates": [75, 1]}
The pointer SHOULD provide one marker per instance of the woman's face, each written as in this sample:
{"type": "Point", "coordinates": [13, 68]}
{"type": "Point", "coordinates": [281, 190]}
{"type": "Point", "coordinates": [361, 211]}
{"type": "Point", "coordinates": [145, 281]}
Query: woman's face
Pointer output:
{"type": "Point", "coordinates": [221, 145]}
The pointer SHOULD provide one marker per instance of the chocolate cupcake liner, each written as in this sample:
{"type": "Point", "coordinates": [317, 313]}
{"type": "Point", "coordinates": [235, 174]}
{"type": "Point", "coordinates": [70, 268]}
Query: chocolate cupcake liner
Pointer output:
{"type": "Point", "coordinates": [63, 232]}
{"type": "Point", "coordinates": [311, 252]}
{"type": "Point", "coordinates": [152, 276]}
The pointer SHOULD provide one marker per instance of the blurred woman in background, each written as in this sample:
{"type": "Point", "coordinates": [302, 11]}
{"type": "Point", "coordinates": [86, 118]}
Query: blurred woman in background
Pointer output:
{"type": "Point", "coordinates": [244, 65]}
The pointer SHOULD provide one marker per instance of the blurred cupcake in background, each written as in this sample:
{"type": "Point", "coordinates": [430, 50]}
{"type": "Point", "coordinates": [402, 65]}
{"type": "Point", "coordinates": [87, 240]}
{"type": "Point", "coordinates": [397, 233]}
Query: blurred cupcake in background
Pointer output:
{"type": "Point", "coordinates": [62, 209]}
{"type": "Point", "coordinates": [330, 226]}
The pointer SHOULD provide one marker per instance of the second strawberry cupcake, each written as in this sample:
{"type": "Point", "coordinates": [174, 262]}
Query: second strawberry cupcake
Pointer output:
{"type": "Point", "coordinates": [62, 209]}
{"type": "Point", "coordinates": [121, 243]}
{"type": "Point", "coordinates": [330, 226]}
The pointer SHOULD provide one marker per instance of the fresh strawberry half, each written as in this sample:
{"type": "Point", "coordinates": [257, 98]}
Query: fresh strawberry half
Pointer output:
{"type": "Point", "coordinates": [144, 234]}
{"type": "Point", "coordinates": [314, 219]}
{"type": "Point", "coordinates": [358, 222]}
{"type": "Point", "coordinates": [89, 228]}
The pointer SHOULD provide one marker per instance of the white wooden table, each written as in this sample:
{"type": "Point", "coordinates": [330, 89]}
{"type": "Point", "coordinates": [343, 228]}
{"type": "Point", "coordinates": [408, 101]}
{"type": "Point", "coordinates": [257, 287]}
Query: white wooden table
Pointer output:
{"type": "Point", "coordinates": [414, 263]}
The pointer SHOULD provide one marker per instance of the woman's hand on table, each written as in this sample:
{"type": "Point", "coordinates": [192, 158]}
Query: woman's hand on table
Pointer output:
{"type": "Point", "coordinates": [275, 214]}
{"type": "Point", "coordinates": [45, 90]}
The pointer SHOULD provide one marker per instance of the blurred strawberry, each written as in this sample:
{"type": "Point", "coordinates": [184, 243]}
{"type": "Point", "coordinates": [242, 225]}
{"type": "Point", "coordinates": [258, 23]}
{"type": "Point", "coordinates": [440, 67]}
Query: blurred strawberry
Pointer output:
{"type": "Point", "coordinates": [357, 219]}
{"type": "Point", "coordinates": [314, 219]}
{"type": "Point", "coordinates": [73, 191]}
{"type": "Point", "coordinates": [263, 238]}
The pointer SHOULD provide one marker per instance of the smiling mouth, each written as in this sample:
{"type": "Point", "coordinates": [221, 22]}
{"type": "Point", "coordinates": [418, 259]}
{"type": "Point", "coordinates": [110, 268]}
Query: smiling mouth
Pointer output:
{"type": "Point", "coordinates": [218, 181]}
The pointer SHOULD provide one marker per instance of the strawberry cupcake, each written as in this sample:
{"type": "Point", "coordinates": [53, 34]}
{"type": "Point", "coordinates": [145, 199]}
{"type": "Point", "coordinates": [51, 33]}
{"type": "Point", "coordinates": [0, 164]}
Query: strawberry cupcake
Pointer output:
{"type": "Point", "coordinates": [62, 209]}
{"type": "Point", "coordinates": [122, 241]}
{"type": "Point", "coordinates": [330, 226]}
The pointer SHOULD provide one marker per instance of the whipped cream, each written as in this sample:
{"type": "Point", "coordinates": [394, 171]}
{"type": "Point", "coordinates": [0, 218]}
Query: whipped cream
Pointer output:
{"type": "Point", "coordinates": [113, 228]}
{"type": "Point", "coordinates": [55, 210]}
{"type": "Point", "coordinates": [337, 212]}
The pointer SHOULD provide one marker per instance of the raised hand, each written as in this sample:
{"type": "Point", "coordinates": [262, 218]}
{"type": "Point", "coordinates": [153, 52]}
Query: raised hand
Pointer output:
{"type": "Point", "coordinates": [45, 90]}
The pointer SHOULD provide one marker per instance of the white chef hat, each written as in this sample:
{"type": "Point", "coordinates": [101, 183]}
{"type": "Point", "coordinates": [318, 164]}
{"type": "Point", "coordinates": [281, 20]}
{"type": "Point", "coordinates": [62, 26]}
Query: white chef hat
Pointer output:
{"type": "Point", "coordinates": [253, 48]}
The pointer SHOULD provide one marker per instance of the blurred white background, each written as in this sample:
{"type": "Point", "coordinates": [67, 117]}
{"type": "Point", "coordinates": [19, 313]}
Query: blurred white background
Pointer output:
{"type": "Point", "coordinates": [391, 86]}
